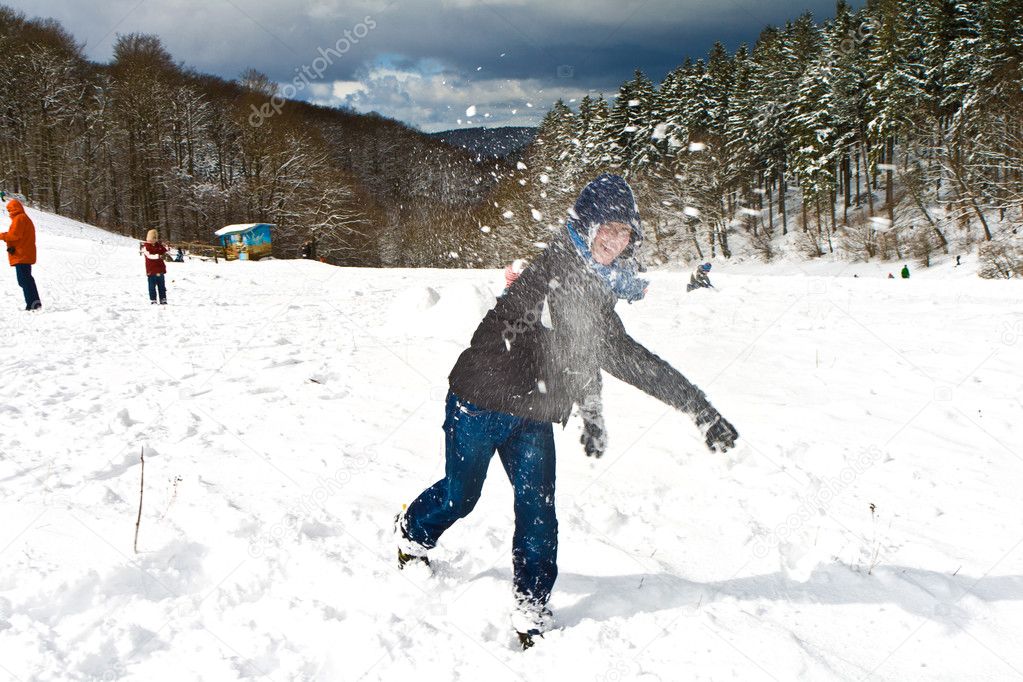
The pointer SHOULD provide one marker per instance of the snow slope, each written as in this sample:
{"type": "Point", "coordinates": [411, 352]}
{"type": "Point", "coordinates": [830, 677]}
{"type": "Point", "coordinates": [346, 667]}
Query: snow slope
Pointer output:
{"type": "Point", "coordinates": [869, 525]}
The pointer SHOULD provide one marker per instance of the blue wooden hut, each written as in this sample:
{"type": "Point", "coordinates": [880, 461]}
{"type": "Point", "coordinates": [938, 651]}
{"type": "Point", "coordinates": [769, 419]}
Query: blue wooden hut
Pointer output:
{"type": "Point", "coordinates": [249, 241]}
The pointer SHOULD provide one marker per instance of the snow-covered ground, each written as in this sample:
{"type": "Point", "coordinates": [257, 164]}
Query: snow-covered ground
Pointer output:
{"type": "Point", "coordinates": [868, 526]}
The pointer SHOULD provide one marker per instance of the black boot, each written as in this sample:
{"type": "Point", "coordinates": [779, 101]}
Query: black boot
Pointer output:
{"type": "Point", "coordinates": [408, 550]}
{"type": "Point", "coordinates": [530, 620]}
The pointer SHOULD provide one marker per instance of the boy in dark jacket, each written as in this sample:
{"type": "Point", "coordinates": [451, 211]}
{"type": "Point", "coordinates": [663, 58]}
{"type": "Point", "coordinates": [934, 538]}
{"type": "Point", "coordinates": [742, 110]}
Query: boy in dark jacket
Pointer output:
{"type": "Point", "coordinates": [156, 269]}
{"type": "Point", "coordinates": [535, 354]}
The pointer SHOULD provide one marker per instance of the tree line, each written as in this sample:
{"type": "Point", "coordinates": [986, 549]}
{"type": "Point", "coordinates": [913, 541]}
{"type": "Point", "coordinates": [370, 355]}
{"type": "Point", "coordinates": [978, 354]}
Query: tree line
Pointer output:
{"type": "Point", "coordinates": [892, 131]}
{"type": "Point", "coordinates": [143, 142]}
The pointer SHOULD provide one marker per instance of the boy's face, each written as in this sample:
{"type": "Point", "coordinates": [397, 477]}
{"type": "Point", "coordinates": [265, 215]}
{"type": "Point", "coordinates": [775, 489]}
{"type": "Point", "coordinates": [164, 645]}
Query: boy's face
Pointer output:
{"type": "Point", "coordinates": [609, 242]}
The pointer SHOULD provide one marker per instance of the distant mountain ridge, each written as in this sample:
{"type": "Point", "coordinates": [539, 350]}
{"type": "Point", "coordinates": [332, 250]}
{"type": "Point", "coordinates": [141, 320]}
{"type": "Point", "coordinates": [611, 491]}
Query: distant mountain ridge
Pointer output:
{"type": "Point", "coordinates": [503, 142]}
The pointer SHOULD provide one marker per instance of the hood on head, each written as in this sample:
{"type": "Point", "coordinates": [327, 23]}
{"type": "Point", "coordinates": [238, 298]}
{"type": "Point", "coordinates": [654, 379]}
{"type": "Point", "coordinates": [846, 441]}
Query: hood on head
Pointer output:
{"type": "Point", "coordinates": [607, 199]}
{"type": "Point", "coordinates": [14, 207]}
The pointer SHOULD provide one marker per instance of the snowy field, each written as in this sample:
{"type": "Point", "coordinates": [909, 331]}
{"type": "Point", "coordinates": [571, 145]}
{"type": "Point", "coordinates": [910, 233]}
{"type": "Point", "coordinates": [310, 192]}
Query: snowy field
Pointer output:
{"type": "Point", "coordinates": [869, 526]}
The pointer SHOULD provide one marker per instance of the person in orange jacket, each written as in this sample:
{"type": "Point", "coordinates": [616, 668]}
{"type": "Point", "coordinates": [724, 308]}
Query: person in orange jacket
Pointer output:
{"type": "Point", "coordinates": [21, 251]}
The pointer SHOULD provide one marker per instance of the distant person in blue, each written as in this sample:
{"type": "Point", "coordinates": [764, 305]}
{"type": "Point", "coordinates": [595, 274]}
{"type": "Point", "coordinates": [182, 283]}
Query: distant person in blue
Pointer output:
{"type": "Point", "coordinates": [535, 355]}
{"type": "Point", "coordinates": [179, 257]}
{"type": "Point", "coordinates": [700, 278]}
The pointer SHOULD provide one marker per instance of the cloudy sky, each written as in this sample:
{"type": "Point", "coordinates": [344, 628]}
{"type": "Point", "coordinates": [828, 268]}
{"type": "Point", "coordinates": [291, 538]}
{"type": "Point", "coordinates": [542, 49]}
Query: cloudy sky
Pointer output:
{"type": "Point", "coordinates": [436, 64]}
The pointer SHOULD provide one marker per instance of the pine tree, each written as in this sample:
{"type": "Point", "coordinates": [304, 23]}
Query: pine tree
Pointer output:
{"type": "Point", "coordinates": [814, 136]}
{"type": "Point", "coordinates": [629, 130]}
{"type": "Point", "coordinates": [771, 101]}
{"type": "Point", "coordinates": [593, 124]}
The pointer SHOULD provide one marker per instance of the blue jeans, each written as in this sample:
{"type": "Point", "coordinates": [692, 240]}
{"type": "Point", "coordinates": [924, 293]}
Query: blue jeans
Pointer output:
{"type": "Point", "coordinates": [526, 449]}
{"type": "Point", "coordinates": [28, 286]}
{"type": "Point", "coordinates": [157, 282]}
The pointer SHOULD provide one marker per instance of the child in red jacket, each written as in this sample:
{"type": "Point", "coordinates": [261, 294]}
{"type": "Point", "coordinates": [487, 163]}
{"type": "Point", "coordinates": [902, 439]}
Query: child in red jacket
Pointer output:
{"type": "Point", "coordinates": [156, 269]}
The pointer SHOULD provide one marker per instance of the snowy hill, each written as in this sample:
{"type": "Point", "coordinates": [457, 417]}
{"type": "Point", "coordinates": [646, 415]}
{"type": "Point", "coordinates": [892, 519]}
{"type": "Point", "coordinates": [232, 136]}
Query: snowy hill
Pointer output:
{"type": "Point", "coordinates": [868, 526]}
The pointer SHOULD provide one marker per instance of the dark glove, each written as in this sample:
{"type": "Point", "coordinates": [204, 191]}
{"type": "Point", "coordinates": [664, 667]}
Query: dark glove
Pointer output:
{"type": "Point", "coordinates": [594, 438]}
{"type": "Point", "coordinates": [718, 432]}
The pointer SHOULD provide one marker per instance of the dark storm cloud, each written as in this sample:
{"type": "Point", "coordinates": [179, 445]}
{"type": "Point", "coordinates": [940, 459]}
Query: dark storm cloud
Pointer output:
{"type": "Point", "coordinates": [428, 62]}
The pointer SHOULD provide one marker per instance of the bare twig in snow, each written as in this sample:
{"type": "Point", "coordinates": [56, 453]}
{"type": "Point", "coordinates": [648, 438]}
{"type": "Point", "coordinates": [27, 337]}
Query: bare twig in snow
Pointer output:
{"type": "Point", "coordinates": [142, 483]}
